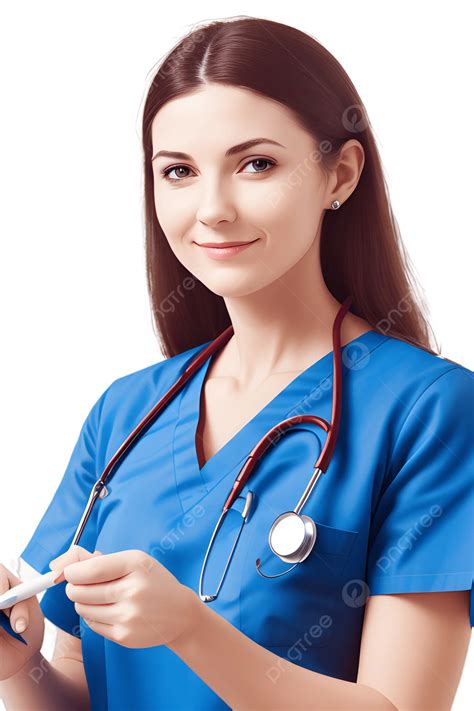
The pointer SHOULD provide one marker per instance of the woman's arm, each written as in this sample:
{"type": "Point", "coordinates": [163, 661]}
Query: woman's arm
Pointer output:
{"type": "Point", "coordinates": [414, 647]}
{"type": "Point", "coordinates": [46, 686]}
{"type": "Point", "coordinates": [412, 654]}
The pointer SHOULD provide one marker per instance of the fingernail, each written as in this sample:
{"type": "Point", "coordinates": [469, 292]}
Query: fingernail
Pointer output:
{"type": "Point", "coordinates": [20, 625]}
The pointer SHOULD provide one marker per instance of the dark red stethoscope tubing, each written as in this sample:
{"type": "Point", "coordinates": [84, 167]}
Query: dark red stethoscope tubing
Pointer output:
{"type": "Point", "coordinates": [267, 440]}
{"type": "Point", "coordinates": [332, 429]}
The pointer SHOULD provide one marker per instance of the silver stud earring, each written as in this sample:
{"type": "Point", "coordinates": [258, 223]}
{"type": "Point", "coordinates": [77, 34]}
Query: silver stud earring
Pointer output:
{"type": "Point", "coordinates": [335, 204]}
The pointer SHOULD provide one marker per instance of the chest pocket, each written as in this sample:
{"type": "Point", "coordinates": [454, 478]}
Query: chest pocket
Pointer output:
{"type": "Point", "coordinates": [302, 605]}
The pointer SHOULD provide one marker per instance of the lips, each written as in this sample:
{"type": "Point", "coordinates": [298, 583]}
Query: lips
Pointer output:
{"type": "Point", "coordinates": [223, 245]}
{"type": "Point", "coordinates": [224, 250]}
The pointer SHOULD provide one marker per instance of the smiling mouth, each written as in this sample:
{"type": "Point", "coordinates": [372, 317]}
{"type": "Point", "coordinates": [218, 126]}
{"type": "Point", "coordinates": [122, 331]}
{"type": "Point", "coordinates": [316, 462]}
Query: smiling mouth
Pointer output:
{"type": "Point", "coordinates": [223, 245]}
{"type": "Point", "coordinates": [225, 250]}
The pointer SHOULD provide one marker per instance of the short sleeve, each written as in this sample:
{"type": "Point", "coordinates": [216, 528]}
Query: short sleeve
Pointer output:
{"type": "Point", "coordinates": [55, 531]}
{"type": "Point", "coordinates": [422, 530]}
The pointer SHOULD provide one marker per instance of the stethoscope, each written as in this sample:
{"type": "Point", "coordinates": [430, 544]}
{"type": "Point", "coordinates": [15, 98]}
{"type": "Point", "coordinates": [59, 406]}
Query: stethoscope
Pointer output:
{"type": "Point", "coordinates": [292, 535]}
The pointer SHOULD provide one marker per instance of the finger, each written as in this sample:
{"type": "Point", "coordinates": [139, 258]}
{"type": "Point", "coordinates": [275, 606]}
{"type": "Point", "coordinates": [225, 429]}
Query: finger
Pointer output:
{"type": "Point", "coordinates": [19, 611]}
{"type": "Point", "coordinates": [101, 628]}
{"type": "Point", "coordinates": [19, 616]}
{"type": "Point", "coordinates": [4, 585]}
{"type": "Point", "coordinates": [61, 578]}
{"type": "Point", "coordinates": [73, 555]}
{"type": "Point", "coordinates": [96, 593]}
{"type": "Point", "coordinates": [101, 569]}
{"type": "Point", "coordinates": [106, 614]}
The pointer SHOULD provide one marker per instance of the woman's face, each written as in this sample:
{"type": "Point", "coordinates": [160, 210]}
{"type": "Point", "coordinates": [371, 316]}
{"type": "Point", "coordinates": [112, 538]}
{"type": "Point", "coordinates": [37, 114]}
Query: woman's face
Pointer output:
{"type": "Point", "coordinates": [271, 195]}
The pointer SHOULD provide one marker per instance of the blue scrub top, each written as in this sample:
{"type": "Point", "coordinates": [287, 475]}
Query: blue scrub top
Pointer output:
{"type": "Point", "coordinates": [394, 512]}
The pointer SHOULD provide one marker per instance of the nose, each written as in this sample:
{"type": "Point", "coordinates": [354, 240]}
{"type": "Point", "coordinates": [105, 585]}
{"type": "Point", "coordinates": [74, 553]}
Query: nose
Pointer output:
{"type": "Point", "coordinates": [215, 205]}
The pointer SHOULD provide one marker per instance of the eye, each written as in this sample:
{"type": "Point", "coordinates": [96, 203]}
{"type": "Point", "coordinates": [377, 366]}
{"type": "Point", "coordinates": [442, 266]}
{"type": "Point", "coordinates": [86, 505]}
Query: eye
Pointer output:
{"type": "Point", "coordinates": [167, 171]}
{"type": "Point", "coordinates": [261, 160]}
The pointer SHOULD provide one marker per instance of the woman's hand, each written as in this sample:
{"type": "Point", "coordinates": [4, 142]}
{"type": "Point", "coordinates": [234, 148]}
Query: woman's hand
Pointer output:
{"type": "Point", "coordinates": [131, 598]}
{"type": "Point", "coordinates": [13, 653]}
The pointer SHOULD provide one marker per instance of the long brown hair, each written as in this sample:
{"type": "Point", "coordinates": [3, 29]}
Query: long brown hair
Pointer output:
{"type": "Point", "coordinates": [361, 251]}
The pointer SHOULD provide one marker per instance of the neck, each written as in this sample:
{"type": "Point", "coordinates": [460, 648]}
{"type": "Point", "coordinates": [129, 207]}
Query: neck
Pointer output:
{"type": "Point", "coordinates": [286, 325]}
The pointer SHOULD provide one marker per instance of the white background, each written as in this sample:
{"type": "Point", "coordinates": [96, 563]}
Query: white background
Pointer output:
{"type": "Point", "coordinates": [75, 311]}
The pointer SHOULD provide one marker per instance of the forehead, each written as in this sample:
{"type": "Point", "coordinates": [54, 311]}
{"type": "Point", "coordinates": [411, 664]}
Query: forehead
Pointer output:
{"type": "Point", "coordinates": [220, 116]}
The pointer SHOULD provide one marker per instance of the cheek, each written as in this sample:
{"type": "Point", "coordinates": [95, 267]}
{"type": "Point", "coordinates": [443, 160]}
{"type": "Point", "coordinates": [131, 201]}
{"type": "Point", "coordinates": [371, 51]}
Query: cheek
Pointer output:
{"type": "Point", "coordinates": [284, 247]}
{"type": "Point", "coordinates": [290, 227]}
{"type": "Point", "coordinates": [169, 217]}
{"type": "Point", "coordinates": [175, 228]}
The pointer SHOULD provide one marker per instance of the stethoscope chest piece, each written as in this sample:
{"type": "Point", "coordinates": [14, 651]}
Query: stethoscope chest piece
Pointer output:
{"type": "Point", "coordinates": [292, 536]}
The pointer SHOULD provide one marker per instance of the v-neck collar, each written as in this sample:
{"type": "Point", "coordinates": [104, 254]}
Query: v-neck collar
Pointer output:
{"type": "Point", "coordinates": [194, 482]}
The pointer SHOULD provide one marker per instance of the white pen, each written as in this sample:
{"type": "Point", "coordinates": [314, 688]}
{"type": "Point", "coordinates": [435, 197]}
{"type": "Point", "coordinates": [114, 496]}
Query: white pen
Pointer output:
{"type": "Point", "coordinates": [23, 591]}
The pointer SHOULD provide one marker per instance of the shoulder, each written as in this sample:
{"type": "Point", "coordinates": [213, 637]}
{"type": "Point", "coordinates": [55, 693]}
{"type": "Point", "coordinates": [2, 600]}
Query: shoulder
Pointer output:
{"type": "Point", "coordinates": [405, 372]}
{"type": "Point", "coordinates": [424, 403]}
{"type": "Point", "coordinates": [411, 396]}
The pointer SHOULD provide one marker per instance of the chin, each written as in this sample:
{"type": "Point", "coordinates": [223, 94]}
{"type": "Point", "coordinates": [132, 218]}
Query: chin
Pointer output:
{"type": "Point", "coordinates": [234, 286]}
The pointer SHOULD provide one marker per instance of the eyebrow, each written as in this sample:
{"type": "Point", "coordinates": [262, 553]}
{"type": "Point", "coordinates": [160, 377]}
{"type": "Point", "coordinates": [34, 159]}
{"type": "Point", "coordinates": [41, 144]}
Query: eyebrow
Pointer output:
{"type": "Point", "coordinates": [229, 152]}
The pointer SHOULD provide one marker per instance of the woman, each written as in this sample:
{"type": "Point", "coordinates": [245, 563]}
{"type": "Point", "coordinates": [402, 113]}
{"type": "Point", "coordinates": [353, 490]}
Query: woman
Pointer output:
{"type": "Point", "coordinates": [253, 133]}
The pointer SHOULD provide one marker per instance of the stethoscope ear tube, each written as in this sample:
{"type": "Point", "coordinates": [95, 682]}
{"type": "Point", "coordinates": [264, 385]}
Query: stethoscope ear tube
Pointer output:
{"type": "Point", "coordinates": [245, 513]}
